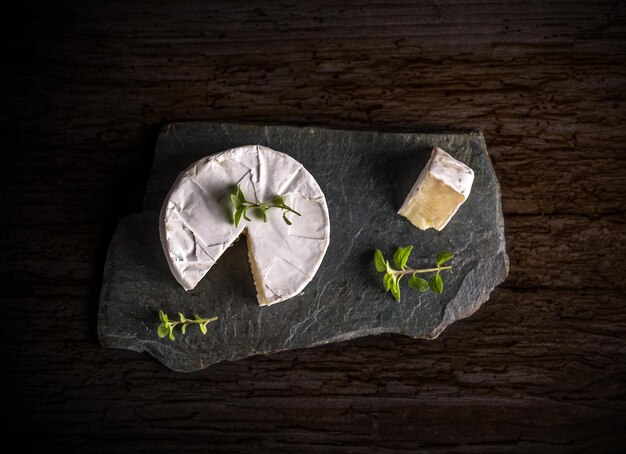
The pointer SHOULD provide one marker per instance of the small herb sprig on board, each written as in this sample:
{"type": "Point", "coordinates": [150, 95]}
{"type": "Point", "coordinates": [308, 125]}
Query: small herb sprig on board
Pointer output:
{"type": "Point", "coordinates": [242, 205]}
{"type": "Point", "coordinates": [167, 326]}
{"type": "Point", "coordinates": [392, 277]}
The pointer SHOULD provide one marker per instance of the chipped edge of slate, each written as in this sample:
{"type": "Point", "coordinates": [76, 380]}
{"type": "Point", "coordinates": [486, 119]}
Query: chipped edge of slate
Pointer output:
{"type": "Point", "coordinates": [478, 140]}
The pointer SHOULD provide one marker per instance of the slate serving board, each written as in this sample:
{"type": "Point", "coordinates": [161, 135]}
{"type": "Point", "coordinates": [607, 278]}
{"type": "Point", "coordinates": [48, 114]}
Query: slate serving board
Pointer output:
{"type": "Point", "coordinates": [365, 177]}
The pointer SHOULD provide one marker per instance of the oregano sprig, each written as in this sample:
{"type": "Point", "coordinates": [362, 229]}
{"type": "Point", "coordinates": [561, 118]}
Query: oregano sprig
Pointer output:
{"type": "Point", "coordinates": [392, 277]}
{"type": "Point", "coordinates": [167, 326]}
{"type": "Point", "coordinates": [242, 205]}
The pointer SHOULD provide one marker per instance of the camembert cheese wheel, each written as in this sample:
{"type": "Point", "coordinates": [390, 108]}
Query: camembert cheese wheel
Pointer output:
{"type": "Point", "coordinates": [196, 222]}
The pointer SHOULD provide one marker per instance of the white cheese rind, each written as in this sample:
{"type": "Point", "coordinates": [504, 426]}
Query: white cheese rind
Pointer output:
{"type": "Point", "coordinates": [196, 227]}
{"type": "Point", "coordinates": [441, 188]}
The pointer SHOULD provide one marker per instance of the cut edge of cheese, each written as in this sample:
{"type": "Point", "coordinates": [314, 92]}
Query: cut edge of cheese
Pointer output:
{"type": "Point", "coordinates": [309, 245]}
{"type": "Point", "coordinates": [441, 188]}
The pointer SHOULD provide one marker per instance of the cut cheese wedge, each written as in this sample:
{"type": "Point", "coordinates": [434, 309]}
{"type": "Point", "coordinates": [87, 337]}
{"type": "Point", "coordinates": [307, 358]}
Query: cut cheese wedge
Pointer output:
{"type": "Point", "coordinates": [444, 184]}
{"type": "Point", "coordinates": [196, 224]}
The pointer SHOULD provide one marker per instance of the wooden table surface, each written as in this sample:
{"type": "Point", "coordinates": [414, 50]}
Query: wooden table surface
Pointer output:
{"type": "Point", "coordinates": [541, 367]}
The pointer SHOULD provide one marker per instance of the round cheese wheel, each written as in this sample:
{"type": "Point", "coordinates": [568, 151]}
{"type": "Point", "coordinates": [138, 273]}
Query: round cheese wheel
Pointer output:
{"type": "Point", "coordinates": [196, 221]}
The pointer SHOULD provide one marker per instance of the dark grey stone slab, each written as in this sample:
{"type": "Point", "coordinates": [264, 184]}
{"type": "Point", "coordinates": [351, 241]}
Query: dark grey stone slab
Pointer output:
{"type": "Point", "coordinates": [365, 177]}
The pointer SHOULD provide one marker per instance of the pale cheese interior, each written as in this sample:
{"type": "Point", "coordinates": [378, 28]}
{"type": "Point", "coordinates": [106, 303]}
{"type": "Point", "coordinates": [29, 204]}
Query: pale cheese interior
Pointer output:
{"type": "Point", "coordinates": [258, 281]}
{"type": "Point", "coordinates": [432, 205]}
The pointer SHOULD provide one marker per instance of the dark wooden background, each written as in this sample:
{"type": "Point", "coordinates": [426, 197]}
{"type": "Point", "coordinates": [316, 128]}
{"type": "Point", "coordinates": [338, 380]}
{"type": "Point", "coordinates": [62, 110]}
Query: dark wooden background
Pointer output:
{"type": "Point", "coordinates": [540, 368]}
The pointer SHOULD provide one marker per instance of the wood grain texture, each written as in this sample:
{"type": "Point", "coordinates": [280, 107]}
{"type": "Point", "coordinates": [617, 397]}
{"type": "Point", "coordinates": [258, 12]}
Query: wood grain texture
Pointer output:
{"type": "Point", "coordinates": [540, 368]}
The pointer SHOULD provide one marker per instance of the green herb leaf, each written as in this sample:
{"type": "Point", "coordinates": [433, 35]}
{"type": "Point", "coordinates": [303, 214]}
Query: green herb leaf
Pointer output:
{"type": "Point", "coordinates": [167, 328]}
{"type": "Point", "coordinates": [436, 284]}
{"type": "Point", "coordinates": [393, 276]}
{"type": "Point", "coordinates": [443, 257]}
{"type": "Point", "coordinates": [395, 289]}
{"type": "Point", "coordinates": [379, 261]}
{"type": "Point", "coordinates": [238, 214]}
{"type": "Point", "coordinates": [240, 195]}
{"type": "Point", "coordinates": [402, 256]}
{"type": "Point", "coordinates": [418, 283]}
{"type": "Point", "coordinates": [244, 214]}
{"type": "Point", "coordinates": [242, 205]}
{"type": "Point", "coordinates": [162, 330]}
{"type": "Point", "coordinates": [387, 282]}
{"type": "Point", "coordinates": [235, 201]}
{"type": "Point", "coordinates": [396, 258]}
